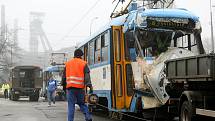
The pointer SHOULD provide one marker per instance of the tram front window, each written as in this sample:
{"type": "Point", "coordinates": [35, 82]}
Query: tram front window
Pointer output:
{"type": "Point", "coordinates": [153, 43]}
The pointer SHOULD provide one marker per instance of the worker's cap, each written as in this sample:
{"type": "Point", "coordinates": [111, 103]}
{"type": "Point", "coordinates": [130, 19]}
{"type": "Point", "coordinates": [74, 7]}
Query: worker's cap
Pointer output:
{"type": "Point", "coordinates": [78, 53]}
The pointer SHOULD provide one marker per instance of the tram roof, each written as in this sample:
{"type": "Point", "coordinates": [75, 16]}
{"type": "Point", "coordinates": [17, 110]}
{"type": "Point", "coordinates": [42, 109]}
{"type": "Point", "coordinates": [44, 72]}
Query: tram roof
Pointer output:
{"type": "Point", "coordinates": [167, 13]}
{"type": "Point", "coordinates": [174, 13]}
{"type": "Point", "coordinates": [56, 68]}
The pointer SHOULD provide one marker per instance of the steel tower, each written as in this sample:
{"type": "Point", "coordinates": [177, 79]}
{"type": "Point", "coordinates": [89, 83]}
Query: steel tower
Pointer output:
{"type": "Point", "coordinates": [37, 33]}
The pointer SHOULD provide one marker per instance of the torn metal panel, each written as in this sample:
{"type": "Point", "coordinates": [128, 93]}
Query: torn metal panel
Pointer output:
{"type": "Point", "coordinates": [150, 77]}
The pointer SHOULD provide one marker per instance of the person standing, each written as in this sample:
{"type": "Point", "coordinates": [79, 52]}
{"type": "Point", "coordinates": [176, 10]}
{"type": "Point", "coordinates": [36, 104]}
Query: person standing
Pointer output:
{"type": "Point", "coordinates": [5, 89]}
{"type": "Point", "coordinates": [75, 77]}
{"type": "Point", "coordinates": [51, 90]}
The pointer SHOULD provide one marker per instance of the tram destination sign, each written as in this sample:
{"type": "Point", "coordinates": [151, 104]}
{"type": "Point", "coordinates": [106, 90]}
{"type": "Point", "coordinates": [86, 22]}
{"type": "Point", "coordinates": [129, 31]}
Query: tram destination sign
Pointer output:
{"type": "Point", "coordinates": [171, 23]}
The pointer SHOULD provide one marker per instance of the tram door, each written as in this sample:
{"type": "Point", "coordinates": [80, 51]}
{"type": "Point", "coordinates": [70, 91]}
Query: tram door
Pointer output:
{"type": "Point", "coordinates": [119, 95]}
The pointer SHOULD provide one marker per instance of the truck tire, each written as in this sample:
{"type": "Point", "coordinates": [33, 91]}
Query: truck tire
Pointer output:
{"type": "Point", "coordinates": [34, 98]}
{"type": "Point", "coordinates": [186, 112]}
{"type": "Point", "coordinates": [14, 97]}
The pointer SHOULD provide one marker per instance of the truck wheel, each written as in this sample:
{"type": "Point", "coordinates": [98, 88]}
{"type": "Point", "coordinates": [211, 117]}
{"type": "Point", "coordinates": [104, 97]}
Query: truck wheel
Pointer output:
{"type": "Point", "coordinates": [34, 98]}
{"type": "Point", "coordinates": [37, 97]}
{"type": "Point", "coordinates": [186, 112]}
{"type": "Point", "coordinates": [30, 98]}
{"type": "Point", "coordinates": [14, 97]}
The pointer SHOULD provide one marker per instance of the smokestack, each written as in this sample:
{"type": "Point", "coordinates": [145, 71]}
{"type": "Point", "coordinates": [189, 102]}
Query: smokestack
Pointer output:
{"type": "Point", "coordinates": [2, 22]}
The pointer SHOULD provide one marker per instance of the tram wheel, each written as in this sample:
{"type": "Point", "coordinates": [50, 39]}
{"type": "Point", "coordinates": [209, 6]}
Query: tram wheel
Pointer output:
{"type": "Point", "coordinates": [120, 116]}
{"type": "Point", "coordinates": [115, 115]}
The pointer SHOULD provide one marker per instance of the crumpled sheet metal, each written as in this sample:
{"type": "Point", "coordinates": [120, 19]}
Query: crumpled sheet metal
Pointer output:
{"type": "Point", "coordinates": [151, 78]}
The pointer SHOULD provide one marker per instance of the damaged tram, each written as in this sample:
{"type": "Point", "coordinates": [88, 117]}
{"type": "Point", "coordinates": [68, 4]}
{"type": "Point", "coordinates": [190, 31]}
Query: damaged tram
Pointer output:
{"type": "Point", "coordinates": [127, 57]}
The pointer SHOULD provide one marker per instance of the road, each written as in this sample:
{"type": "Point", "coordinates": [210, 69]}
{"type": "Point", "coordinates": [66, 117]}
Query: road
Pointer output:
{"type": "Point", "coordinates": [23, 110]}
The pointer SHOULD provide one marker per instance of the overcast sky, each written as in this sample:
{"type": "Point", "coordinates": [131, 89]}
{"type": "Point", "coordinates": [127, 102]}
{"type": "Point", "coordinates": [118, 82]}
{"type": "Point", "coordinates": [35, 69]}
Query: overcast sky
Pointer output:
{"type": "Point", "coordinates": [67, 22]}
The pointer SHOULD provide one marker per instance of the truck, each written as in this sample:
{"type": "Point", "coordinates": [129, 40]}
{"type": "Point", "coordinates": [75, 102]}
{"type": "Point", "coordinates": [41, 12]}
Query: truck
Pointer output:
{"type": "Point", "coordinates": [25, 81]}
{"type": "Point", "coordinates": [191, 86]}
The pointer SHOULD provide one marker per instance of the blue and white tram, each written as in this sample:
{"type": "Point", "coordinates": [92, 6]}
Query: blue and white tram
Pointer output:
{"type": "Point", "coordinates": [127, 56]}
{"type": "Point", "coordinates": [56, 71]}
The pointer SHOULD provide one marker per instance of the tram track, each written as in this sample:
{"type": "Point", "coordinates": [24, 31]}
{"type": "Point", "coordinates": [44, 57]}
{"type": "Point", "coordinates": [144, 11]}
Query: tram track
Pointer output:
{"type": "Point", "coordinates": [117, 116]}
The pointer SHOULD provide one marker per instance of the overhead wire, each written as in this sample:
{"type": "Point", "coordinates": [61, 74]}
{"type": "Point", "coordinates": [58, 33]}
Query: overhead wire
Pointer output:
{"type": "Point", "coordinates": [170, 3]}
{"type": "Point", "coordinates": [114, 9]}
{"type": "Point", "coordinates": [80, 20]}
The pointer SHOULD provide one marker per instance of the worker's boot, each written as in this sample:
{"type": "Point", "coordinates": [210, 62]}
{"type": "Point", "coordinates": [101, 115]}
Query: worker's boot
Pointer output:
{"type": "Point", "coordinates": [89, 120]}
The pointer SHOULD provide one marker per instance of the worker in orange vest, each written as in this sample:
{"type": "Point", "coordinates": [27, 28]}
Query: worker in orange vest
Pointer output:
{"type": "Point", "coordinates": [76, 76]}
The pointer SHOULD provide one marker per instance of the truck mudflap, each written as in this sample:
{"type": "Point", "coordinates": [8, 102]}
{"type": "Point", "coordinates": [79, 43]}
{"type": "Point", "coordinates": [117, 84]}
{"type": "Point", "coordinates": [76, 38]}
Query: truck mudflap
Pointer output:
{"type": "Point", "coordinates": [204, 112]}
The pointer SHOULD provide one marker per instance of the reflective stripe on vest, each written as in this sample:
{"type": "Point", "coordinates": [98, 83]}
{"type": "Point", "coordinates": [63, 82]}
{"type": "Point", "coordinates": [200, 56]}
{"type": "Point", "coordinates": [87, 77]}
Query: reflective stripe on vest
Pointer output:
{"type": "Point", "coordinates": [75, 78]}
{"type": "Point", "coordinates": [74, 82]}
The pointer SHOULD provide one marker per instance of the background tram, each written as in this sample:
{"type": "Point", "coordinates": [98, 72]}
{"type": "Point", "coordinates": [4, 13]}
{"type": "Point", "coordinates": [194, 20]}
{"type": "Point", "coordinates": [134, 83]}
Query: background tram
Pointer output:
{"type": "Point", "coordinates": [57, 72]}
{"type": "Point", "coordinates": [127, 57]}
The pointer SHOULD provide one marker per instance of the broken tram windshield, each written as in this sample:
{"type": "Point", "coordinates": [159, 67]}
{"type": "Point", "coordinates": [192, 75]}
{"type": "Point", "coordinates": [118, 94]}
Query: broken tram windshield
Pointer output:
{"type": "Point", "coordinates": [153, 43]}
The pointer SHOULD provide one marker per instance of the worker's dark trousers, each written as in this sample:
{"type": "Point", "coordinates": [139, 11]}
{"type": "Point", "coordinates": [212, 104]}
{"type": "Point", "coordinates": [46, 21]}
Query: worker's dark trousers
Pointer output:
{"type": "Point", "coordinates": [6, 94]}
{"type": "Point", "coordinates": [76, 96]}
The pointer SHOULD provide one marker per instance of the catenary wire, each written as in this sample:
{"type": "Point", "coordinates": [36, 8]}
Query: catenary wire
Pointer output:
{"type": "Point", "coordinates": [81, 19]}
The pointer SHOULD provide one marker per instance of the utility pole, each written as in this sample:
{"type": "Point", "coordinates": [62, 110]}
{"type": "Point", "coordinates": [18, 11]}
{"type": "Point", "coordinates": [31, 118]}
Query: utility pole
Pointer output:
{"type": "Point", "coordinates": [212, 36]}
{"type": "Point", "coordinates": [15, 34]}
{"type": "Point", "coordinates": [2, 23]}
{"type": "Point", "coordinates": [14, 40]}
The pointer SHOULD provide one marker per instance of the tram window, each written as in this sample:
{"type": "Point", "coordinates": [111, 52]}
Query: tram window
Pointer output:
{"type": "Point", "coordinates": [82, 48]}
{"type": "Point", "coordinates": [182, 41]}
{"type": "Point", "coordinates": [148, 52]}
{"type": "Point", "coordinates": [193, 43]}
{"type": "Point", "coordinates": [119, 80]}
{"type": "Point", "coordinates": [117, 47]}
{"type": "Point", "coordinates": [129, 80]}
{"type": "Point", "coordinates": [107, 36]}
{"type": "Point", "coordinates": [91, 55]}
{"type": "Point", "coordinates": [86, 52]}
{"type": "Point", "coordinates": [130, 50]}
{"type": "Point", "coordinates": [102, 41]}
{"type": "Point", "coordinates": [97, 50]}
{"type": "Point", "coordinates": [187, 42]}
{"type": "Point", "coordinates": [104, 46]}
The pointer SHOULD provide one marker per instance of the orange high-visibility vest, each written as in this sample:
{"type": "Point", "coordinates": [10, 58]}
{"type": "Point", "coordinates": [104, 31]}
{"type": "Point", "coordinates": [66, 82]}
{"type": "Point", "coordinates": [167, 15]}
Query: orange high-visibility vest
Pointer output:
{"type": "Point", "coordinates": [75, 73]}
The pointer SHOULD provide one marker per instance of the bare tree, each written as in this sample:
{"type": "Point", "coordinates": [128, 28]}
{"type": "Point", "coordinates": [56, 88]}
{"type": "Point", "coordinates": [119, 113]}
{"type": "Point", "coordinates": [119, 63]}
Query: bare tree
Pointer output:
{"type": "Point", "coordinates": [8, 51]}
